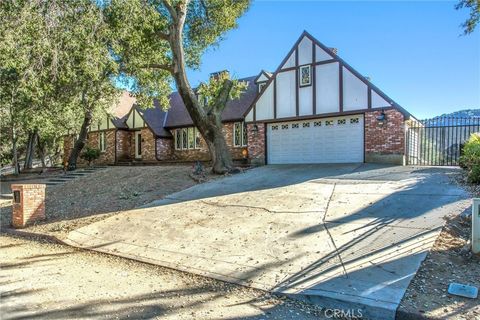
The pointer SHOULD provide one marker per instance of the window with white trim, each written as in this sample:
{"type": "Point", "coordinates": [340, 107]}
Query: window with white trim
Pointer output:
{"type": "Point", "coordinates": [187, 138]}
{"type": "Point", "coordinates": [240, 135]}
{"type": "Point", "coordinates": [102, 142]}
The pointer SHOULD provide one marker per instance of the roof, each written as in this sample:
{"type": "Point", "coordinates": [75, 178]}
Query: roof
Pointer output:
{"type": "Point", "coordinates": [155, 119]}
{"type": "Point", "coordinates": [178, 115]}
{"type": "Point", "coordinates": [121, 110]}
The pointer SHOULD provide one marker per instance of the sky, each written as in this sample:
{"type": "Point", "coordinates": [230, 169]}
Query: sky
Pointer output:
{"type": "Point", "coordinates": [414, 51]}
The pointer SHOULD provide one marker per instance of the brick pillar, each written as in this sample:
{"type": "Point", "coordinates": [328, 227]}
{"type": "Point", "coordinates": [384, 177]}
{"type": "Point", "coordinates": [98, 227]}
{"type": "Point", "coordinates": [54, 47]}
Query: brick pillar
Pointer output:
{"type": "Point", "coordinates": [28, 204]}
{"type": "Point", "coordinates": [256, 143]}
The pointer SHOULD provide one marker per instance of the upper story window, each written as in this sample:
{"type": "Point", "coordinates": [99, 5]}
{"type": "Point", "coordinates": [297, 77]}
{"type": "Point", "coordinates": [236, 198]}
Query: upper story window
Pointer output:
{"type": "Point", "coordinates": [102, 142]}
{"type": "Point", "coordinates": [187, 139]}
{"type": "Point", "coordinates": [305, 75]}
{"type": "Point", "coordinates": [261, 85]}
{"type": "Point", "coordinates": [240, 136]}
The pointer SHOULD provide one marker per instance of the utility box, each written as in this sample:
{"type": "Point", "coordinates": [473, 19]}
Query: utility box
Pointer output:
{"type": "Point", "coordinates": [476, 226]}
{"type": "Point", "coordinates": [28, 204]}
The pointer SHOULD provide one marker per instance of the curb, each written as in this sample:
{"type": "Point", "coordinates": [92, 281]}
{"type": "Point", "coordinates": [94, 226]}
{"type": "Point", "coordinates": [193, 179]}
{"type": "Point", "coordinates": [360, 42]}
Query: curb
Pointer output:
{"type": "Point", "coordinates": [31, 235]}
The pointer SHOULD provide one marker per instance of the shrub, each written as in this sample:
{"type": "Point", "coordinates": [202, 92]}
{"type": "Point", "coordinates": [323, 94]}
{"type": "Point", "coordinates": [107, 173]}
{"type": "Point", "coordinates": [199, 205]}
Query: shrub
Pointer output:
{"type": "Point", "coordinates": [470, 160]}
{"type": "Point", "coordinates": [90, 155]}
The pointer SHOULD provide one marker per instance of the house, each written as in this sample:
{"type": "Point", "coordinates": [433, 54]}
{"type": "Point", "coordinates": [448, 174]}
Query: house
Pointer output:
{"type": "Point", "coordinates": [315, 108]}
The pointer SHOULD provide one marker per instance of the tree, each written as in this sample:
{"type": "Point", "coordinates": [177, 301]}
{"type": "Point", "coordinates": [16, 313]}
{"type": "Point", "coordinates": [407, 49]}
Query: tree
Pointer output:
{"type": "Point", "coordinates": [156, 41]}
{"type": "Point", "coordinates": [471, 23]}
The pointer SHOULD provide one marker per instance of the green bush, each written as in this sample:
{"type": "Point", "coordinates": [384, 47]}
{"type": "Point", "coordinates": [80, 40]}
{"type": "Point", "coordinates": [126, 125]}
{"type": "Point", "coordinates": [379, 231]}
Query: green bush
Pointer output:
{"type": "Point", "coordinates": [470, 160]}
{"type": "Point", "coordinates": [90, 154]}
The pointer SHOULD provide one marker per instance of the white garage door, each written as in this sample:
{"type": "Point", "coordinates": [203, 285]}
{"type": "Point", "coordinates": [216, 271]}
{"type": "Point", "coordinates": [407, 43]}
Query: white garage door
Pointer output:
{"type": "Point", "coordinates": [327, 140]}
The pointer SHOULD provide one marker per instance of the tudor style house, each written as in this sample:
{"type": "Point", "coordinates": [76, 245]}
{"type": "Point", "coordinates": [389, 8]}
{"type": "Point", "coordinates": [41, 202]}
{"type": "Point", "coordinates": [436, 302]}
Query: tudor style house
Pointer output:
{"type": "Point", "coordinates": [315, 108]}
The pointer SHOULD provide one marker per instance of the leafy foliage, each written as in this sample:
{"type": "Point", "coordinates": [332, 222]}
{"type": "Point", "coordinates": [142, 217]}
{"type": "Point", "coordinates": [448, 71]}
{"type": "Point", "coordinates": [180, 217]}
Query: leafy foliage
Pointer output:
{"type": "Point", "coordinates": [90, 155]}
{"type": "Point", "coordinates": [470, 160]}
{"type": "Point", "coordinates": [471, 23]}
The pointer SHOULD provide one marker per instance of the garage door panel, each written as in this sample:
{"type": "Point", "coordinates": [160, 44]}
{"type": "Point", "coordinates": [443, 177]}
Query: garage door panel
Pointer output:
{"type": "Point", "coordinates": [328, 140]}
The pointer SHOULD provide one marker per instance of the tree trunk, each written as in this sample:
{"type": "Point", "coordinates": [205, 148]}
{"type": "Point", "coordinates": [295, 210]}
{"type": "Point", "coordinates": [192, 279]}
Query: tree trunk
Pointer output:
{"type": "Point", "coordinates": [30, 152]}
{"type": "Point", "coordinates": [15, 163]}
{"type": "Point", "coordinates": [81, 141]}
{"type": "Point", "coordinates": [41, 151]}
{"type": "Point", "coordinates": [210, 126]}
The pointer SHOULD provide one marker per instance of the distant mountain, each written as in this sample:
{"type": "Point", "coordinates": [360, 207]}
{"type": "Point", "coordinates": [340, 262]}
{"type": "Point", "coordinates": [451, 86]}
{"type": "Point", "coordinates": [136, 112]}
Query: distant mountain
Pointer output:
{"type": "Point", "coordinates": [467, 113]}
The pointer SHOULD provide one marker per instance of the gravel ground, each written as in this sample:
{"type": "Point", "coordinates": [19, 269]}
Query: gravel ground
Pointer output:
{"type": "Point", "coordinates": [94, 197]}
{"type": "Point", "coordinates": [49, 281]}
{"type": "Point", "coordinates": [449, 261]}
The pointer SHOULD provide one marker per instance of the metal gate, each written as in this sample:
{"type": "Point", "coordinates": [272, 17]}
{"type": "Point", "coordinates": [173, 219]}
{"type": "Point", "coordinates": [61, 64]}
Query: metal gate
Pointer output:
{"type": "Point", "coordinates": [438, 141]}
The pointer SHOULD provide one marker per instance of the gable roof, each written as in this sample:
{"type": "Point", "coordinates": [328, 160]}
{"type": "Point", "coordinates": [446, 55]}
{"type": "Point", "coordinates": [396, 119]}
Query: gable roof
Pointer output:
{"type": "Point", "coordinates": [155, 119]}
{"type": "Point", "coordinates": [334, 57]}
{"type": "Point", "coordinates": [121, 109]}
{"type": "Point", "coordinates": [178, 115]}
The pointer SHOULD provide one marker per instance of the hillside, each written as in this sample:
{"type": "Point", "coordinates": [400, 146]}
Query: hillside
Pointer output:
{"type": "Point", "coordinates": [466, 113]}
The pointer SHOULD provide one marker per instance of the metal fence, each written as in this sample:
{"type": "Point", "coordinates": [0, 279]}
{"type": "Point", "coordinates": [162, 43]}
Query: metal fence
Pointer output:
{"type": "Point", "coordinates": [439, 141]}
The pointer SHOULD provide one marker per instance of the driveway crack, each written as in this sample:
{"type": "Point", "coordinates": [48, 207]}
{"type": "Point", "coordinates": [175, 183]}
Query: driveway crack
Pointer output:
{"type": "Point", "coordinates": [328, 231]}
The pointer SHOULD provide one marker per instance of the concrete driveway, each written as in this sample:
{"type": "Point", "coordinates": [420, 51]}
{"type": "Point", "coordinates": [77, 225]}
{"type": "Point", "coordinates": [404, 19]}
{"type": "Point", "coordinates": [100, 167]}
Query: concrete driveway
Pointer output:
{"type": "Point", "coordinates": [342, 236]}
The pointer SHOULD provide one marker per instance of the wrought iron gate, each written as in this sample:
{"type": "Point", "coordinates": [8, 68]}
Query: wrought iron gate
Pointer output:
{"type": "Point", "coordinates": [438, 141]}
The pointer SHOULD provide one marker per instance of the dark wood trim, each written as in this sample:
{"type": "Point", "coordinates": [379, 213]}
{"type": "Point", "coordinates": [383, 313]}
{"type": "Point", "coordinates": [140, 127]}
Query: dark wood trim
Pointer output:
{"type": "Point", "coordinates": [311, 64]}
{"type": "Point", "coordinates": [325, 115]}
{"type": "Point", "coordinates": [340, 86]}
{"type": "Point", "coordinates": [275, 98]}
{"type": "Point", "coordinates": [314, 82]}
{"type": "Point", "coordinates": [254, 113]}
{"type": "Point", "coordinates": [369, 90]}
{"type": "Point", "coordinates": [133, 119]}
{"type": "Point", "coordinates": [297, 74]}
{"type": "Point", "coordinates": [364, 143]}
{"type": "Point", "coordinates": [265, 137]}
{"type": "Point", "coordinates": [263, 72]}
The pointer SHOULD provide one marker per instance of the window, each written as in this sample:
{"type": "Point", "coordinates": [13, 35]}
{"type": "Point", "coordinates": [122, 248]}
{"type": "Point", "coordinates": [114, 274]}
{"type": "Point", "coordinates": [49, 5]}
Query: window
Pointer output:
{"type": "Point", "coordinates": [329, 123]}
{"type": "Point", "coordinates": [191, 138]}
{"type": "Point", "coordinates": [187, 138]}
{"type": "Point", "coordinates": [284, 126]}
{"type": "Point", "coordinates": [317, 123]}
{"type": "Point", "coordinates": [178, 139]}
{"type": "Point", "coordinates": [306, 124]}
{"type": "Point", "coordinates": [261, 86]}
{"type": "Point", "coordinates": [341, 121]}
{"type": "Point", "coordinates": [274, 127]}
{"type": "Point", "coordinates": [102, 142]}
{"type": "Point", "coordinates": [295, 126]}
{"type": "Point", "coordinates": [305, 76]}
{"type": "Point", "coordinates": [354, 120]}
{"type": "Point", "coordinates": [240, 136]}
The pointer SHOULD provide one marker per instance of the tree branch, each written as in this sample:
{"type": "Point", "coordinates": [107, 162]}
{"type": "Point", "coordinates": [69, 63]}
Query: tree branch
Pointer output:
{"type": "Point", "coordinates": [222, 98]}
{"type": "Point", "coordinates": [166, 67]}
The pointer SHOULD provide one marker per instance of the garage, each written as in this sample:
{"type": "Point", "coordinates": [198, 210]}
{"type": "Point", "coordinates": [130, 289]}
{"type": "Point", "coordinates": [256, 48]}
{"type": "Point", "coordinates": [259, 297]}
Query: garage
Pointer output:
{"type": "Point", "coordinates": [325, 140]}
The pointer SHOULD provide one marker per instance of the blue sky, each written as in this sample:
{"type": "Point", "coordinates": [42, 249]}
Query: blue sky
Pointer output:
{"type": "Point", "coordinates": [411, 50]}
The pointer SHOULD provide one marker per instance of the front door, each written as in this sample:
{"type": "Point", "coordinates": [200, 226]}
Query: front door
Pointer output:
{"type": "Point", "coordinates": [138, 144]}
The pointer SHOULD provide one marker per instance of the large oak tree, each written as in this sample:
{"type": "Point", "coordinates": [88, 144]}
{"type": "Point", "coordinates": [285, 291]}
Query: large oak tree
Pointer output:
{"type": "Point", "coordinates": [157, 40]}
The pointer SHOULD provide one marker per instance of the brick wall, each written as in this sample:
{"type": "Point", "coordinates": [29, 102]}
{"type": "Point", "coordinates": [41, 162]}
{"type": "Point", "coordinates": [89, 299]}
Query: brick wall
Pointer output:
{"type": "Point", "coordinates": [256, 143]}
{"type": "Point", "coordinates": [31, 205]}
{"type": "Point", "coordinates": [202, 153]}
{"type": "Point", "coordinates": [164, 148]}
{"type": "Point", "coordinates": [107, 157]}
{"type": "Point", "coordinates": [148, 145]}
{"type": "Point", "coordinates": [123, 144]}
{"type": "Point", "coordinates": [385, 143]}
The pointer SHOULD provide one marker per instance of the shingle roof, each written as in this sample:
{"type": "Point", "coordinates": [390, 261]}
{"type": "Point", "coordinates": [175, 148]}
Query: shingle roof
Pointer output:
{"type": "Point", "coordinates": [155, 119]}
{"type": "Point", "coordinates": [178, 115]}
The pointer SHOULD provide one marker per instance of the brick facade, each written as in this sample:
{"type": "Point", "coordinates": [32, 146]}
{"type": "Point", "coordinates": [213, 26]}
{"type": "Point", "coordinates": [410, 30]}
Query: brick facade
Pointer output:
{"type": "Point", "coordinates": [256, 143]}
{"type": "Point", "coordinates": [148, 145]}
{"type": "Point", "coordinates": [385, 143]}
{"type": "Point", "coordinates": [30, 206]}
{"type": "Point", "coordinates": [123, 144]}
{"type": "Point", "coordinates": [202, 153]}
{"type": "Point", "coordinates": [164, 149]}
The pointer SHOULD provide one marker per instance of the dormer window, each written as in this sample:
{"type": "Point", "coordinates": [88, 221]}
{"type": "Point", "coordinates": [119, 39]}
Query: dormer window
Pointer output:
{"type": "Point", "coordinates": [261, 85]}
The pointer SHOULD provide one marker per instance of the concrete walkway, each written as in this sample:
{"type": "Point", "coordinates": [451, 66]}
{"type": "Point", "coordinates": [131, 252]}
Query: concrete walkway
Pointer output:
{"type": "Point", "coordinates": [342, 236]}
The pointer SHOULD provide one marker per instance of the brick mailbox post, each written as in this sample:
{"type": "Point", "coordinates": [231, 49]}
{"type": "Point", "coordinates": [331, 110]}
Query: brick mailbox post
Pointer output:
{"type": "Point", "coordinates": [28, 204]}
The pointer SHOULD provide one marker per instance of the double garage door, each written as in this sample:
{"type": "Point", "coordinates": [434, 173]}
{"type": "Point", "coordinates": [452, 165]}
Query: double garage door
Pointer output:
{"type": "Point", "coordinates": [326, 140]}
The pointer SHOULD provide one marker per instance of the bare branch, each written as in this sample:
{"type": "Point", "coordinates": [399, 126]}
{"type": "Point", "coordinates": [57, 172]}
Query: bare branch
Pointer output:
{"type": "Point", "coordinates": [170, 9]}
